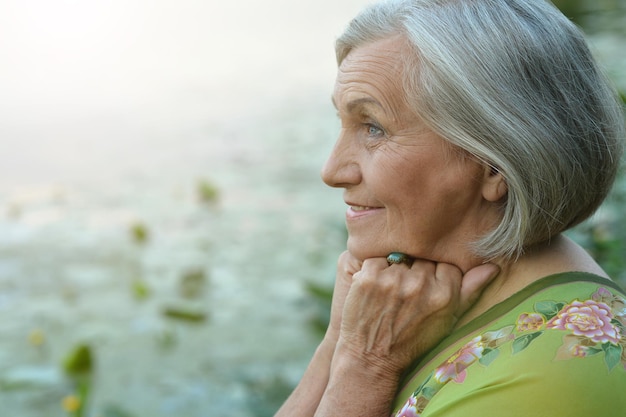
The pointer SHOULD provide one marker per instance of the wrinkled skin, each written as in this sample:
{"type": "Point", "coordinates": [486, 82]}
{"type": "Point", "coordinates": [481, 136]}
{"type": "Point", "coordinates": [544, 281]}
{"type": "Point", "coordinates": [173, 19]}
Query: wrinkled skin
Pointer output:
{"type": "Point", "coordinates": [392, 315]}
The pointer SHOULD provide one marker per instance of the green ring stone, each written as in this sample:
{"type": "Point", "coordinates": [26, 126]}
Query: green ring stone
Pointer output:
{"type": "Point", "coordinates": [399, 258]}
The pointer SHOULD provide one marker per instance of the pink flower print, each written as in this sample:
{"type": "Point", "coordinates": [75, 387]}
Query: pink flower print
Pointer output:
{"type": "Point", "coordinates": [454, 367]}
{"type": "Point", "coordinates": [529, 322]}
{"type": "Point", "coordinates": [409, 409]}
{"type": "Point", "coordinates": [574, 347]}
{"type": "Point", "coordinates": [602, 295]}
{"type": "Point", "coordinates": [496, 338]}
{"type": "Point", "coordinates": [616, 303]}
{"type": "Point", "coordinates": [579, 351]}
{"type": "Point", "coordinates": [590, 319]}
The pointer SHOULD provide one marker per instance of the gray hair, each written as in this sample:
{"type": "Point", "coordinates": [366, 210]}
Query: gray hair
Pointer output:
{"type": "Point", "coordinates": [513, 83]}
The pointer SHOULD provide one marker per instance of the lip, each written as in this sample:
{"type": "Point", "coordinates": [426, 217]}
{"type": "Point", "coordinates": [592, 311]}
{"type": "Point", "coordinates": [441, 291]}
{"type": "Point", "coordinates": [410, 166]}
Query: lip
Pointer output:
{"type": "Point", "coordinates": [355, 211]}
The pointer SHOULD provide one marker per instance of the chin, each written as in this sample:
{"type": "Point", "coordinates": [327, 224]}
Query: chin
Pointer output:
{"type": "Point", "coordinates": [360, 250]}
{"type": "Point", "coordinates": [363, 250]}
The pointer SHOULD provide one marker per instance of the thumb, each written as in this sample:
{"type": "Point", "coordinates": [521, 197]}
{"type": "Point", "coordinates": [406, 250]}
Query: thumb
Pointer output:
{"type": "Point", "coordinates": [474, 282]}
{"type": "Point", "coordinates": [348, 265]}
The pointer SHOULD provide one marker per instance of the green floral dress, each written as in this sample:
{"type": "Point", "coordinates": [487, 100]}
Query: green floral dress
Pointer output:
{"type": "Point", "coordinates": [557, 348]}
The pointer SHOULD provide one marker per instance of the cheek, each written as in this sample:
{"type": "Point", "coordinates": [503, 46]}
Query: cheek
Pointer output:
{"type": "Point", "coordinates": [438, 192]}
{"type": "Point", "coordinates": [411, 179]}
{"type": "Point", "coordinates": [399, 188]}
{"type": "Point", "coordinates": [407, 181]}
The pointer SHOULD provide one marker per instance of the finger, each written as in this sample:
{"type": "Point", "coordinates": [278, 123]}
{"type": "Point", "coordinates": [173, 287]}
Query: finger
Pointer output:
{"type": "Point", "coordinates": [424, 267]}
{"type": "Point", "coordinates": [373, 265]}
{"type": "Point", "coordinates": [348, 264]}
{"type": "Point", "coordinates": [446, 279]}
{"type": "Point", "coordinates": [473, 284]}
{"type": "Point", "coordinates": [449, 274]}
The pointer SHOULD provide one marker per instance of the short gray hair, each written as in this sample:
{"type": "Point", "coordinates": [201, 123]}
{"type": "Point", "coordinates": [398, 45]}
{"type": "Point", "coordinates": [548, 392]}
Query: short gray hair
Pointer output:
{"type": "Point", "coordinates": [513, 83]}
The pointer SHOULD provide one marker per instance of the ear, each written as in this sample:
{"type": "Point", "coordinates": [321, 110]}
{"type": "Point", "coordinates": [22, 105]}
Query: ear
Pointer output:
{"type": "Point", "coordinates": [494, 184]}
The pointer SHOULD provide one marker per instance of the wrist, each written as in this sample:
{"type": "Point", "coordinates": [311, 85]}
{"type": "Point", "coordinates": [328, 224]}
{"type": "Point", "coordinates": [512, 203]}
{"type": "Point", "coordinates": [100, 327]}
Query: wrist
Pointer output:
{"type": "Point", "coordinates": [357, 387]}
{"type": "Point", "coordinates": [365, 366]}
{"type": "Point", "coordinates": [326, 349]}
{"type": "Point", "coordinates": [331, 337]}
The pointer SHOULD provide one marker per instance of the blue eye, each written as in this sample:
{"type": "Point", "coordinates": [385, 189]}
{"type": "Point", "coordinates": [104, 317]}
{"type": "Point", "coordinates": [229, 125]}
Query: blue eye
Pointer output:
{"type": "Point", "coordinates": [373, 130]}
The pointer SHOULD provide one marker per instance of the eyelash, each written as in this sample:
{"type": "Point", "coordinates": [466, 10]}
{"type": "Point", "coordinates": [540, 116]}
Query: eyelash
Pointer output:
{"type": "Point", "coordinates": [371, 126]}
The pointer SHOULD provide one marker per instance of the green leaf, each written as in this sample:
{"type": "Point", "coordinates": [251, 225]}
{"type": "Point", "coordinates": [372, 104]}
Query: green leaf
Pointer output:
{"type": "Point", "coordinates": [140, 289]}
{"type": "Point", "coordinates": [79, 361]}
{"type": "Point", "coordinates": [593, 351]}
{"type": "Point", "coordinates": [417, 391]}
{"type": "Point", "coordinates": [617, 323]}
{"type": "Point", "coordinates": [549, 309]}
{"type": "Point", "coordinates": [113, 410]}
{"type": "Point", "coordinates": [429, 392]}
{"type": "Point", "coordinates": [185, 314]}
{"type": "Point", "coordinates": [612, 355]}
{"type": "Point", "coordinates": [207, 191]}
{"type": "Point", "coordinates": [139, 232]}
{"type": "Point", "coordinates": [523, 342]}
{"type": "Point", "coordinates": [489, 355]}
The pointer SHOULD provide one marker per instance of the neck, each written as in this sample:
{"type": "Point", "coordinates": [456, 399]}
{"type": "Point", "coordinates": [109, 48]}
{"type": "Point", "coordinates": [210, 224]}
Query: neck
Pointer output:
{"type": "Point", "coordinates": [559, 255]}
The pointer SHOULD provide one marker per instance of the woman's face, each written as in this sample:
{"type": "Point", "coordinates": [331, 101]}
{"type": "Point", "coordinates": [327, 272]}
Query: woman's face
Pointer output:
{"type": "Point", "coordinates": [407, 189]}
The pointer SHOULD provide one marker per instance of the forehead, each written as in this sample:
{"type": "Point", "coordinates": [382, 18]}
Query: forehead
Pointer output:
{"type": "Point", "coordinates": [388, 49]}
{"type": "Point", "coordinates": [374, 69]}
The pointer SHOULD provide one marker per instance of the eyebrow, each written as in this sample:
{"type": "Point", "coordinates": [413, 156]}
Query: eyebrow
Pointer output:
{"type": "Point", "coordinates": [359, 102]}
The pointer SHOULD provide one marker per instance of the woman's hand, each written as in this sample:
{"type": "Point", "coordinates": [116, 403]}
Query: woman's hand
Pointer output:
{"type": "Point", "coordinates": [347, 266]}
{"type": "Point", "coordinates": [391, 316]}
{"type": "Point", "coordinates": [394, 314]}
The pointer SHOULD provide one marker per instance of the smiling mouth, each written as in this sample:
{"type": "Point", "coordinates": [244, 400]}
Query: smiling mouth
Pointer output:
{"type": "Point", "coordinates": [360, 211]}
{"type": "Point", "coordinates": [361, 208]}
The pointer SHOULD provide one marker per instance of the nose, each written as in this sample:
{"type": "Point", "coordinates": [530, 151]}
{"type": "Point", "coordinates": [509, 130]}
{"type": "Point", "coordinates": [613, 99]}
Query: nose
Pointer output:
{"type": "Point", "coordinates": [342, 169]}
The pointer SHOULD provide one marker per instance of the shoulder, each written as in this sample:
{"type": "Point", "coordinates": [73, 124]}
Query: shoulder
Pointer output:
{"type": "Point", "coordinates": [544, 374]}
{"type": "Point", "coordinates": [559, 351]}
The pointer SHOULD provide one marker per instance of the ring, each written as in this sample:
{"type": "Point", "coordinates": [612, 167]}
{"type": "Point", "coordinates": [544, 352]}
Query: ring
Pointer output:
{"type": "Point", "coordinates": [399, 258]}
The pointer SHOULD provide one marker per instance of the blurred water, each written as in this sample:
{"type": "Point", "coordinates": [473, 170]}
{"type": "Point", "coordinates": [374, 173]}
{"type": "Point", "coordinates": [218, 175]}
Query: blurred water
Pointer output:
{"type": "Point", "coordinates": [111, 113]}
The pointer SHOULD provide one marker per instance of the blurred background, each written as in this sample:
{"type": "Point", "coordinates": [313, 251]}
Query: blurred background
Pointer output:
{"type": "Point", "coordinates": [166, 245]}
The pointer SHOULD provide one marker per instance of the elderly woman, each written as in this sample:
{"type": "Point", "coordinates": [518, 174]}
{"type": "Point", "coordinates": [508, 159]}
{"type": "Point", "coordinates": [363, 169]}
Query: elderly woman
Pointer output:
{"type": "Point", "coordinates": [473, 133]}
